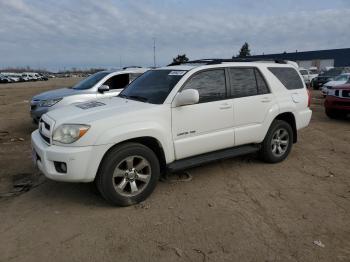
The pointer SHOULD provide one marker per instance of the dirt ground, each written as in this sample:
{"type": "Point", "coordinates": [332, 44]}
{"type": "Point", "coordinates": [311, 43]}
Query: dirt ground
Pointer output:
{"type": "Point", "coordinates": [232, 210]}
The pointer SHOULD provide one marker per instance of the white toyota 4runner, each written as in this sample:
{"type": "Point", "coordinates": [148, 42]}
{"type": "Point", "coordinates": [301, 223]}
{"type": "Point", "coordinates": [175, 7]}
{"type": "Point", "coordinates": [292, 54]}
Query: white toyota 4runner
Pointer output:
{"type": "Point", "coordinates": [173, 118]}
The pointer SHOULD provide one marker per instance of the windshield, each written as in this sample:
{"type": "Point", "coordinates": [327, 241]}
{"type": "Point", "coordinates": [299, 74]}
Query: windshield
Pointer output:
{"type": "Point", "coordinates": [153, 86]}
{"type": "Point", "coordinates": [90, 81]}
{"type": "Point", "coordinates": [303, 72]}
{"type": "Point", "coordinates": [313, 71]}
{"type": "Point", "coordinates": [341, 78]}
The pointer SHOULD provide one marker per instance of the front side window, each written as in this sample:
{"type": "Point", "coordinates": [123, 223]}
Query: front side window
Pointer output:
{"type": "Point", "coordinates": [211, 85]}
{"type": "Point", "coordinates": [288, 77]}
{"type": "Point", "coordinates": [153, 86]}
{"type": "Point", "coordinates": [90, 81]}
{"type": "Point", "coordinates": [117, 81]}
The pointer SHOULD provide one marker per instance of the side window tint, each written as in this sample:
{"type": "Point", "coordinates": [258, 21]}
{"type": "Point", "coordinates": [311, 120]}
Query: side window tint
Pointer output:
{"type": "Point", "coordinates": [118, 81]}
{"type": "Point", "coordinates": [288, 77]}
{"type": "Point", "coordinates": [210, 84]}
{"type": "Point", "coordinates": [243, 82]}
{"type": "Point", "coordinates": [262, 86]}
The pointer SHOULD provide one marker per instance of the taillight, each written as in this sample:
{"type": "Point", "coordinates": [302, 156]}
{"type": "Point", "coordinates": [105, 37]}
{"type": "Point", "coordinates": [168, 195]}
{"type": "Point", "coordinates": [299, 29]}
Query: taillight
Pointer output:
{"type": "Point", "coordinates": [309, 98]}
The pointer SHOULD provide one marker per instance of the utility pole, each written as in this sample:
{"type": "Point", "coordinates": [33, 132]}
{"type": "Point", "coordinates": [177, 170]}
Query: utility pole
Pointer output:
{"type": "Point", "coordinates": [154, 52]}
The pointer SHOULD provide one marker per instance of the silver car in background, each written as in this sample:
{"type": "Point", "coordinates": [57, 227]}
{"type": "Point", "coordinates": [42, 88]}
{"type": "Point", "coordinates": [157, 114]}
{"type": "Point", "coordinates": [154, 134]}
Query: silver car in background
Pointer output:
{"type": "Point", "coordinates": [99, 85]}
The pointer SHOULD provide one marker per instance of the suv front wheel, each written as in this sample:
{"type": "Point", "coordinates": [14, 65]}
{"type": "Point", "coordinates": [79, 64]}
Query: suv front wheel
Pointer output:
{"type": "Point", "coordinates": [128, 174]}
{"type": "Point", "coordinates": [277, 143]}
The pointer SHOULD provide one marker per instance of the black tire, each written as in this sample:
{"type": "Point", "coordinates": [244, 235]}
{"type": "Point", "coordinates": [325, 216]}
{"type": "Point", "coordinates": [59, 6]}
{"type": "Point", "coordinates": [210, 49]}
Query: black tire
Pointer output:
{"type": "Point", "coordinates": [268, 145]}
{"type": "Point", "coordinates": [107, 185]}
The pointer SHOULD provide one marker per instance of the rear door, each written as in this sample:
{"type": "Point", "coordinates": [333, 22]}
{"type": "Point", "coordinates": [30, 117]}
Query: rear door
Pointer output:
{"type": "Point", "coordinates": [252, 101]}
{"type": "Point", "coordinates": [206, 126]}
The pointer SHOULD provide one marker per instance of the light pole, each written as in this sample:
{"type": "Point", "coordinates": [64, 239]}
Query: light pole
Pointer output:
{"type": "Point", "coordinates": [154, 52]}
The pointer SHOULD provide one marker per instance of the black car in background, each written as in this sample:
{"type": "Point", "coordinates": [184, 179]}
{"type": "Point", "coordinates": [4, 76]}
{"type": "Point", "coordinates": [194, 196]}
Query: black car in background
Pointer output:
{"type": "Point", "coordinates": [327, 76]}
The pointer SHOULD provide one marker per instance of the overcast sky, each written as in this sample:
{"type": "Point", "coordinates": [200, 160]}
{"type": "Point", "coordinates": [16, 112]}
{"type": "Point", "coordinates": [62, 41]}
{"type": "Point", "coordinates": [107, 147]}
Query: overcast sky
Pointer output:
{"type": "Point", "coordinates": [88, 33]}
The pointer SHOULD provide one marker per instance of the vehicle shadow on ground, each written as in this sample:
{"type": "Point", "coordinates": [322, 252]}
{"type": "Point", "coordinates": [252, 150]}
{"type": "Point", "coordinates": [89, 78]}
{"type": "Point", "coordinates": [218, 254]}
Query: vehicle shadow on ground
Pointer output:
{"type": "Point", "coordinates": [86, 194]}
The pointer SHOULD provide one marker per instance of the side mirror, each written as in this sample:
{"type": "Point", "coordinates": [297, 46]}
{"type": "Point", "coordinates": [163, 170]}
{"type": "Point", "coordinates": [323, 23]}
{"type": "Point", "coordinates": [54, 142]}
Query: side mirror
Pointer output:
{"type": "Point", "coordinates": [103, 88]}
{"type": "Point", "coordinates": [187, 97]}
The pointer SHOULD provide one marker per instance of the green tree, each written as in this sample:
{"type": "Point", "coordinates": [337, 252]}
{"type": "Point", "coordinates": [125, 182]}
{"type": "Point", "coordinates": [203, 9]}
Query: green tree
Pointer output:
{"type": "Point", "coordinates": [180, 59]}
{"type": "Point", "coordinates": [245, 51]}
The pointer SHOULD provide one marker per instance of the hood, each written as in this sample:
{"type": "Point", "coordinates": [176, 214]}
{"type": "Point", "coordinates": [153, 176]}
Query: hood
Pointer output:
{"type": "Point", "coordinates": [95, 110]}
{"type": "Point", "coordinates": [57, 93]}
{"type": "Point", "coordinates": [334, 83]}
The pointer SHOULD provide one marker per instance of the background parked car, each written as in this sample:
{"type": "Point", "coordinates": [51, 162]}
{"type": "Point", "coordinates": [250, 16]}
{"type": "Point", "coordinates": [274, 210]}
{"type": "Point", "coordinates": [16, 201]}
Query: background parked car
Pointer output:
{"type": "Point", "coordinates": [98, 85]}
{"type": "Point", "coordinates": [327, 76]}
{"type": "Point", "coordinates": [307, 75]}
{"type": "Point", "coordinates": [338, 80]}
{"type": "Point", "coordinates": [337, 103]}
{"type": "Point", "coordinates": [4, 79]}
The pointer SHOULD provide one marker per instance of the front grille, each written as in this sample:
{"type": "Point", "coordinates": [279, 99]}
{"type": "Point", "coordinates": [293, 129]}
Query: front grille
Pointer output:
{"type": "Point", "coordinates": [44, 130]}
{"type": "Point", "coordinates": [346, 93]}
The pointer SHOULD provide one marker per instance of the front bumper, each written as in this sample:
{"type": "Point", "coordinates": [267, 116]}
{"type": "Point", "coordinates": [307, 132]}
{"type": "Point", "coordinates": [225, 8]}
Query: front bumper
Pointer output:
{"type": "Point", "coordinates": [82, 162]}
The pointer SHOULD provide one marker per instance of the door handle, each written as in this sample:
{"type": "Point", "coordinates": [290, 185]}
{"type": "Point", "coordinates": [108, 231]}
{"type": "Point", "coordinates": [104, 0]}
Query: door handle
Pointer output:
{"type": "Point", "coordinates": [224, 106]}
{"type": "Point", "coordinates": [265, 100]}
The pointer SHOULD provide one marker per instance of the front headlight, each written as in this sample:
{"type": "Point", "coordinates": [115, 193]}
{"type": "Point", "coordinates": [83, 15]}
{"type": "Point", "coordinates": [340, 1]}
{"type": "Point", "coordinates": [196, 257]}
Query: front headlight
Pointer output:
{"type": "Point", "coordinates": [49, 102]}
{"type": "Point", "coordinates": [69, 133]}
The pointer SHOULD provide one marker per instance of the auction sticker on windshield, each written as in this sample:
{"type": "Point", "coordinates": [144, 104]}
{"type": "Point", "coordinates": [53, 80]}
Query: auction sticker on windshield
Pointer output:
{"type": "Point", "coordinates": [177, 73]}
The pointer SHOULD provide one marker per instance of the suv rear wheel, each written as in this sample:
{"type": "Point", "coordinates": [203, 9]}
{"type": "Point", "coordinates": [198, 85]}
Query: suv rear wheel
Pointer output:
{"type": "Point", "coordinates": [277, 143]}
{"type": "Point", "coordinates": [128, 174]}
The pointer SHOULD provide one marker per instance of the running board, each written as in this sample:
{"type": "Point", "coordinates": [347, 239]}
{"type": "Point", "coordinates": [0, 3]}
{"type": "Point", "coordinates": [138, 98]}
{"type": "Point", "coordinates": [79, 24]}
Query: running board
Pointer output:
{"type": "Point", "coordinates": [211, 157]}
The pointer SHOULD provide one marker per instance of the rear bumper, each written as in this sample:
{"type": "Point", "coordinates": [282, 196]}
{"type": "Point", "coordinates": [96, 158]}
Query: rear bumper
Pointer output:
{"type": "Point", "coordinates": [303, 118]}
{"type": "Point", "coordinates": [337, 103]}
{"type": "Point", "coordinates": [82, 162]}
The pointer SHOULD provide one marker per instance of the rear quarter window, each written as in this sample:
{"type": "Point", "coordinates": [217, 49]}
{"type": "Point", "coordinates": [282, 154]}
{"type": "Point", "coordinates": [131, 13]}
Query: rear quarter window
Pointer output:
{"type": "Point", "coordinates": [288, 77]}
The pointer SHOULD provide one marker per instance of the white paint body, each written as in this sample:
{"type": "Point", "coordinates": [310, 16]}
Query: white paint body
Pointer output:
{"type": "Point", "coordinates": [218, 125]}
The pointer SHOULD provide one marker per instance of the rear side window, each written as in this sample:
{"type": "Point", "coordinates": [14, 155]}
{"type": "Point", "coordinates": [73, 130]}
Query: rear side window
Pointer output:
{"type": "Point", "coordinates": [211, 85]}
{"type": "Point", "coordinates": [288, 77]}
{"type": "Point", "coordinates": [243, 82]}
{"type": "Point", "coordinates": [262, 86]}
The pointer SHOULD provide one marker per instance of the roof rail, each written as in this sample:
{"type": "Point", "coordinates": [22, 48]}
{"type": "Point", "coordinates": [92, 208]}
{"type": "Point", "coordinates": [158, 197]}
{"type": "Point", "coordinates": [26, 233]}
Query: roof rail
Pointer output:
{"type": "Point", "coordinates": [220, 60]}
{"type": "Point", "coordinates": [126, 67]}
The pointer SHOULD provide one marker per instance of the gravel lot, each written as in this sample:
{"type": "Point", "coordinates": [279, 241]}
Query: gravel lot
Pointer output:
{"type": "Point", "coordinates": [232, 210]}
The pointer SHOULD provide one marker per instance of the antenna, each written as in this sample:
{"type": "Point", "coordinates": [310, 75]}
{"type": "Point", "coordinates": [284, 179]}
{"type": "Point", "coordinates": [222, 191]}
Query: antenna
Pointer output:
{"type": "Point", "coordinates": [154, 52]}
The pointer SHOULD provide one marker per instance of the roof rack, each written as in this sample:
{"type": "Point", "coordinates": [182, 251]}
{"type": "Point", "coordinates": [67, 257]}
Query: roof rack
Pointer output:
{"type": "Point", "coordinates": [220, 61]}
{"type": "Point", "coordinates": [126, 67]}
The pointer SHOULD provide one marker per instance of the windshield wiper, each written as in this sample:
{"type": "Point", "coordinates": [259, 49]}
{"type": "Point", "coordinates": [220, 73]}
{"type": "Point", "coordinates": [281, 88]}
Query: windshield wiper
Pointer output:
{"type": "Point", "coordinates": [138, 98]}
